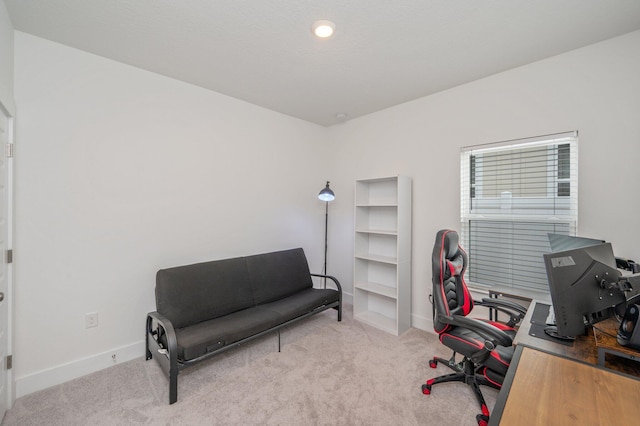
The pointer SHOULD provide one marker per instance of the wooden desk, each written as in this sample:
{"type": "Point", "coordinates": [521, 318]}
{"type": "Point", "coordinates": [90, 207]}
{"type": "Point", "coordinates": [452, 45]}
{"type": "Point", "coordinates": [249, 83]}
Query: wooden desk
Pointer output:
{"type": "Point", "coordinates": [591, 348]}
{"type": "Point", "coordinates": [583, 348]}
{"type": "Point", "coordinates": [606, 343]}
{"type": "Point", "coordinates": [545, 389]}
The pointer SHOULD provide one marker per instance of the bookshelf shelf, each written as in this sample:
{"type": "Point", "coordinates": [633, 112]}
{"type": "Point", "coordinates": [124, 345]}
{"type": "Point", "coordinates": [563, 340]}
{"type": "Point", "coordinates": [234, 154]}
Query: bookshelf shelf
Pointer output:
{"type": "Point", "coordinates": [382, 261]}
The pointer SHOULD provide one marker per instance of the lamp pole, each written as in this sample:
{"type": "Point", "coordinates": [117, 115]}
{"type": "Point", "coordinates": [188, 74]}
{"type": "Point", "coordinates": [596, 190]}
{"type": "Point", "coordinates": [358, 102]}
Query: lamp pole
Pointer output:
{"type": "Point", "coordinates": [326, 195]}
{"type": "Point", "coordinates": [326, 232]}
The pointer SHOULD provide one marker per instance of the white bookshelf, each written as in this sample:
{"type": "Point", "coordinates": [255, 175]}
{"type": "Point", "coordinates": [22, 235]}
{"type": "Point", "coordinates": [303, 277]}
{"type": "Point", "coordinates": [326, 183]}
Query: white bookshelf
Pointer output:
{"type": "Point", "coordinates": [382, 264]}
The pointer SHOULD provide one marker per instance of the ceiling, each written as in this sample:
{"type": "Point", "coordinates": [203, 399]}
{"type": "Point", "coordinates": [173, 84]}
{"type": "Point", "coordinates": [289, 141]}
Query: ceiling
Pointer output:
{"type": "Point", "coordinates": [383, 52]}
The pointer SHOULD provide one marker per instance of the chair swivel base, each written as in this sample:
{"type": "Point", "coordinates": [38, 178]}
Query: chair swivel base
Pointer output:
{"type": "Point", "coordinates": [465, 372]}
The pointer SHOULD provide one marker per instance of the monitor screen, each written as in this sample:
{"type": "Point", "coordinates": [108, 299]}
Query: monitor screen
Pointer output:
{"type": "Point", "coordinates": [559, 242]}
{"type": "Point", "coordinates": [577, 296]}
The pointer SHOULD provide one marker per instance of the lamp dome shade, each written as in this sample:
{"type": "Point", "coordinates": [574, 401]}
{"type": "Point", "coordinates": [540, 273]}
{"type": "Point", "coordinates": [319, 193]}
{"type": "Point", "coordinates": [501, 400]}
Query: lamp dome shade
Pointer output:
{"type": "Point", "coordinates": [326, 194]}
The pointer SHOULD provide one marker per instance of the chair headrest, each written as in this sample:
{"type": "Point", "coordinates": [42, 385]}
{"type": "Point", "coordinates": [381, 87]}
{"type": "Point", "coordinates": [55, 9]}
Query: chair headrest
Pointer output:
{"type": "Point", "coordinates": [450, 244]}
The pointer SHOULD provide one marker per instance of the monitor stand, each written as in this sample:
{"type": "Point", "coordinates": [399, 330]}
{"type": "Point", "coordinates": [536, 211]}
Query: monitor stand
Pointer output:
{"type": "Point", "coordinates": [552, 331]}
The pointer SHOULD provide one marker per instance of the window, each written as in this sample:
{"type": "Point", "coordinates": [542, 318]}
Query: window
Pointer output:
{"type": "Point", "coordinates": [512, 195]}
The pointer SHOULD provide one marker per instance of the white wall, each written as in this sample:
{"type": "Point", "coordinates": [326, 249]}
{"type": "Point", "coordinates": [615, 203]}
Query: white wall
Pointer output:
{"type": "Point", "coordinates": [121, 172]}
{"type": "Point", "coordinates": [6, 59]}
{"type": "Point", "coordinates": [594, 90]}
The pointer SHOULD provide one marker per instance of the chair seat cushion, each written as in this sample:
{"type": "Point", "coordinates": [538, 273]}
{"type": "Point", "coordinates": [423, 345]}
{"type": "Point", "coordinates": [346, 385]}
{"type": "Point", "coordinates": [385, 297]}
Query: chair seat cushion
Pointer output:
{"type": "Point", "coordinates": [467, 342]}
{"type": "Point", "coordinates": [509, 331]}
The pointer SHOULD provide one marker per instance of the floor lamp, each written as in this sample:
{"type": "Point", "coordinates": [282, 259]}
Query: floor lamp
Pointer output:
{"type": "Point", "coordinates": [326, 195]}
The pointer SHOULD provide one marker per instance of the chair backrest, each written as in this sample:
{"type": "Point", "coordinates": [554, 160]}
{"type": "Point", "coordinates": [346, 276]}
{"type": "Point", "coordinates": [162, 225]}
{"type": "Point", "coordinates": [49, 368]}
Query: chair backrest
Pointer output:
{"type": "Point", "coordinates": [450, 293]}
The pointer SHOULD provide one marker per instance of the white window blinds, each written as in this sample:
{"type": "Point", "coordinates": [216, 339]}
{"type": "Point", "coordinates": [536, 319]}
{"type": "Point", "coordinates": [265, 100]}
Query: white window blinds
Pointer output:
{"type": "Point", "coordinates": [512, 195]}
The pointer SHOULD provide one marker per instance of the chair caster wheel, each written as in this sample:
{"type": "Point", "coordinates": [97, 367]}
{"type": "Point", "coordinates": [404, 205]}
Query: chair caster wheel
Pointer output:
{"type": "Point", "coordinates": [433, 363]}
{"type": "Point", "coordinates": [426, 389]}
{"type": "Point", "coordinates": [482, 420]}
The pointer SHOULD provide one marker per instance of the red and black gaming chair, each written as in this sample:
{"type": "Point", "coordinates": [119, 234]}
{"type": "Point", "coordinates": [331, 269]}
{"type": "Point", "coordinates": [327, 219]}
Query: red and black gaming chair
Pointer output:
{"type": "Point", "coordinates": [486, 346]}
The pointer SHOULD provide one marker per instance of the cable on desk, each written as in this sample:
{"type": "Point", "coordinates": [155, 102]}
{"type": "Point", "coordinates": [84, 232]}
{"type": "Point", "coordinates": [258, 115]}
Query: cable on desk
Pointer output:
{"type": "Point", "coordinates": [604, 332]}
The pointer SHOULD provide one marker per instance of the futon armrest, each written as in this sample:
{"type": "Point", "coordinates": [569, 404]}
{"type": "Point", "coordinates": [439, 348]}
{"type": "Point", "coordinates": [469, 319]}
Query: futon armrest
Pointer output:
{"type": "Point", "coordinates": [515, 311]}
{"type": "Point", "coordinates": [163, 333]}
{"type": "Point", "coordinates": [339, 287]}
{"type": "Point", "coordinates": [487, 331]}
{"type": "Point", "coordinates": [332, 278]}
{"type": "Point", "coordinates": [161, 338]}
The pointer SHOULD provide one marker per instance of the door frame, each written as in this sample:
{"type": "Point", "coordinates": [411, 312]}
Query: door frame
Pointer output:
{"type": "Point", "coordinates": [9, 112]}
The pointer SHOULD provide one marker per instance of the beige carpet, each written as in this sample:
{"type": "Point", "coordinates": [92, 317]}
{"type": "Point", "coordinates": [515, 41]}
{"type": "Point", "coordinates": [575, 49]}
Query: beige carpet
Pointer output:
{"type": "Point", "coordinates": [328, 373]}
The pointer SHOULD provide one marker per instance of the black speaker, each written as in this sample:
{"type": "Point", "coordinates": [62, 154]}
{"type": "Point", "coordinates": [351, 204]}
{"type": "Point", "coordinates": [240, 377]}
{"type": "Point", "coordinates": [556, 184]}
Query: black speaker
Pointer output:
{"type": "Point", "coordinates": [629, 332]}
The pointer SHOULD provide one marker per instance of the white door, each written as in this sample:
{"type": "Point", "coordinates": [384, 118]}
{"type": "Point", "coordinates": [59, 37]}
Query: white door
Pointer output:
{"type": "Point", "coordinates": [4, 244]}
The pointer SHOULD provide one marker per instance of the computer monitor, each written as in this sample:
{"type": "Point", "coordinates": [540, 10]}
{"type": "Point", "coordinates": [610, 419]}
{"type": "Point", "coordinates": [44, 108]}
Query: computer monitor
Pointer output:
{"type": "Point", "coordinates": [583, 286]}
{"type": "Point", "coordinates": [559, 242]}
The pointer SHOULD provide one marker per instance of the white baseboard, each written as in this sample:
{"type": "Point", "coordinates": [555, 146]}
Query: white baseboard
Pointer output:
{"type": "Point", "coordinates": [347, 298]}
{"type": "Point", "coordinates": [422, 323]}
{"type": "Point", "coordinates": [63, 373]}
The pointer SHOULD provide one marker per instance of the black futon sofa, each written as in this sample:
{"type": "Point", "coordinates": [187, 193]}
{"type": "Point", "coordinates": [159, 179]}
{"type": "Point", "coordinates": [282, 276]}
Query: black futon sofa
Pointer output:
{"type": "Point", "coordinates": [206, 308]}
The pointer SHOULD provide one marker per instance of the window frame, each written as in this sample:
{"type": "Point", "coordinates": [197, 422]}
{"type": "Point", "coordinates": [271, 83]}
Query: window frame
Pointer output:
{"type": "Point", "coordinates": [556, 210]}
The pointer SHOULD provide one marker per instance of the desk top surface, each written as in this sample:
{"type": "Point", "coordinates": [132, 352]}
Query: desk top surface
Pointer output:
{"type": "Point", "coordinates": [549, 389]}
{"type": "Point", "coordinates": [605, 334]}
{"type": "Point", "coordinates": [583, 348]}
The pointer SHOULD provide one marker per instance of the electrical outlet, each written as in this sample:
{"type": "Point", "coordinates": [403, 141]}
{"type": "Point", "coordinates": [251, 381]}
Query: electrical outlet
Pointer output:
{"type": "Point", "coordinates": [91, 320]}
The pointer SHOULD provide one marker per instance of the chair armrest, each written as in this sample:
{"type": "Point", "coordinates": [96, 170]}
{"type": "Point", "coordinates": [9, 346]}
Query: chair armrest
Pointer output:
{"type": "Point", "coordinates": [505, 303]}
{"type": "Point", "coordinates": [332, 278]}
{"type": "Point", "coordinates": [486, 330]}
{"type": "Point", "coordinates": [515, 311]}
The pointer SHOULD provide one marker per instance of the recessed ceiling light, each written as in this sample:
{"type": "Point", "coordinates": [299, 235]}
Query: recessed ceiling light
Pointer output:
{"type": "Point", "coordinates": [323, 28]}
